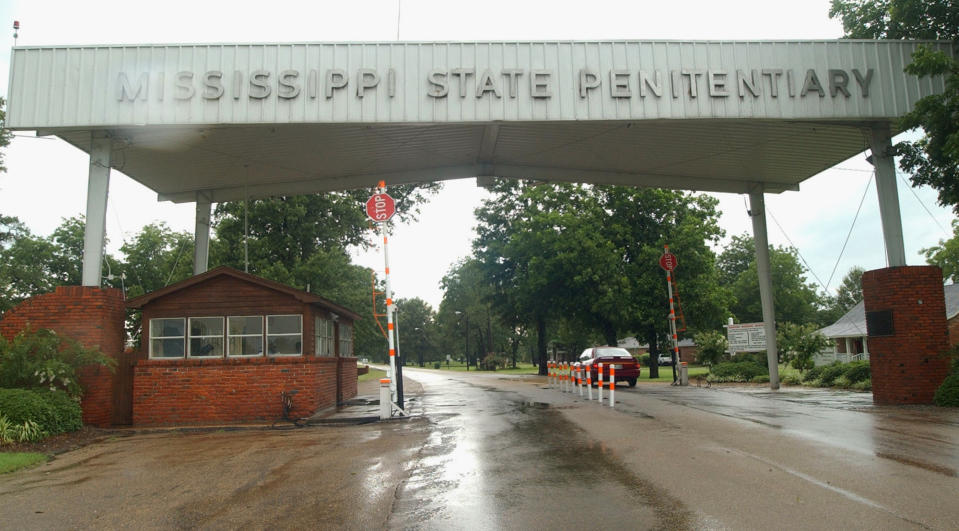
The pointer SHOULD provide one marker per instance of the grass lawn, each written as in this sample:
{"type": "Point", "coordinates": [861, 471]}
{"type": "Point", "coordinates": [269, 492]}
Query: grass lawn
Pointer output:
{"type": "Point", "coordinates": [666, 374]}
{"type": "Point", "coordinates": [521, 368]}
{"type": "Point", "coordinates": [373, 374]}
{"type": "Point", "coordinates": [10, 461]}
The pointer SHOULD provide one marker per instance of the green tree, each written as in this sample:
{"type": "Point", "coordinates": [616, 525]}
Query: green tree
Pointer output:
{"type": "Point", "coordinates": [946, 255]}
{"type": "Point", "coordinates": [583, 259]}
{"type": "Point", "coordinates": [5, 134]}
{"type": "Point", "coordinates": [710, 346]}
{"type": "Point", "coordinates": [799, 343]}
{"type": "Point", "coordinates": [301, 241]}
{"type": "Point", "coordinates": [156, 257]}
{"type": "Point", "coordinates": [932, 160]}
{"type": "Point", "coordinates": [795, 299]}
{"type": "Point", "coordinates": [849, 292]}
{"type": "Point", "coordinates": [416, 325]}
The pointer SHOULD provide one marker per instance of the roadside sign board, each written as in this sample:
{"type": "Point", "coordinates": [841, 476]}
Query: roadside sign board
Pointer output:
{"type": "Point", "coordinates": [746, 337]}
{"type": "Point", "coordinates": [668, 261]}
{"type": "Point", "coordinates": [380, 207]}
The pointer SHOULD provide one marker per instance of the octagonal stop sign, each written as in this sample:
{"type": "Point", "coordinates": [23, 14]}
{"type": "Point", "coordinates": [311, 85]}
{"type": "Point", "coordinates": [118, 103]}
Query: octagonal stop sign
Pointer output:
{"type": "Point", "coordinates": [668, 261]}
{"type": "Point", "coordinates": [380, 207]}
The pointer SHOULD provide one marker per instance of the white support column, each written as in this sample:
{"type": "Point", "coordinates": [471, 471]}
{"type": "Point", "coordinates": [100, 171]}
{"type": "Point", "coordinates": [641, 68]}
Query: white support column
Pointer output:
{"type": "Point", "coordinates": [757, 209]}
{"type": "Point", "coordinates": [880, 142]}
{"type": "Point", "coordinates": [201, 233]}
{"type": "Point", "coordinates": [98, 186]}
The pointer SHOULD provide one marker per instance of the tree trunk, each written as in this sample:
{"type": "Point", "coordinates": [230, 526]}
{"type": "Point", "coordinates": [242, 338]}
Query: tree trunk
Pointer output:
{"type": "Point", "coordinates": [541, 344]}
{"type": "Point", "coordinates": [653, 353]}
{"type": "Point", "coordinates": [609, 334]}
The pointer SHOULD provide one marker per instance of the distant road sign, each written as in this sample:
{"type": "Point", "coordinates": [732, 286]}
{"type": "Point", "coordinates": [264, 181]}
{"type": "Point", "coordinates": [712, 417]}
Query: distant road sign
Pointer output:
{"type": "Point", "coordinates": [668, 261]}
{"type": "Point", "coordinates": [380, 207]}
{"type": "Point", "coordinates": [746, 337]}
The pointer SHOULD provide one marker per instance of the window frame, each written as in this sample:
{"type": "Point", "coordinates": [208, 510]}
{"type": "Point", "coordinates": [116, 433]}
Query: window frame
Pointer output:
{"type": "Point", "coordinates": [260, 335]}
{"type": "Point", "coordinates": [190, 336]}
{"type": "Point", "coordinates": [348, 339]}
{"type": "Point", "coordinates": [267, 334]}
{"type": "Point", "coordinates": [152, 337]}
{"type": "Point", "coordinates": [329, 327]}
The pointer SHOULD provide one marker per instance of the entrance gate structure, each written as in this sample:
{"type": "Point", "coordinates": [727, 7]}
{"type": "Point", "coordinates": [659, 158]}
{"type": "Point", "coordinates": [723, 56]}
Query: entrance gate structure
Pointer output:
{"type": "Point", "coordinates": [209, 123]}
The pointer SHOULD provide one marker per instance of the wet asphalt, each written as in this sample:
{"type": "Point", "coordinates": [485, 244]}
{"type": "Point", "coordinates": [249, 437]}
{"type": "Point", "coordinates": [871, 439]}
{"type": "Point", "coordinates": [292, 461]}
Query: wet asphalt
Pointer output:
{"type": "Point", "coordinates": [496, 460]}
{"type": "Point", "coordinates": [508, 452]}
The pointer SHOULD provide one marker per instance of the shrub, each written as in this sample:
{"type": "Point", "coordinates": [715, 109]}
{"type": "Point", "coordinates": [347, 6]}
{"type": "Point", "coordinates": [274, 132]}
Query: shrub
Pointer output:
{"type": "Point", "coordinates": [643, 360]}
{"type": "Point", "coordinates": [738, 371]}
{"type": "Point", "coordinates": [711, 345]}
{"type": "Point", "coordinates": [437, 365]}
{"type": "Point", "coordinates": [762, 378]}
{"type": "Point", "coordinates": [791, 379]}
{"type": "Point", "coordinates": [857, 371]}
{"type": "Point", "coordinates": [53, 411]}
{"type": "Point", "coordinates": [830, 373]}
{"type": "Point", "coordinates": [948, 392]}
{"type": "Point", "coordinates": [42, 359]}
{"type": "Point", "coordinates": [865, 385]}
{"type": "Point", "coordinates": [813, 374]}
{"type": "Point", "coordinates": [799, 343]}
{"type": "Point", "coordinates": [10, 432]}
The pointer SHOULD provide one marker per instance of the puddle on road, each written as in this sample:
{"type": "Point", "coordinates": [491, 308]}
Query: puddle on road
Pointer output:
{"type": "Point", "coordinates": [519, 464]}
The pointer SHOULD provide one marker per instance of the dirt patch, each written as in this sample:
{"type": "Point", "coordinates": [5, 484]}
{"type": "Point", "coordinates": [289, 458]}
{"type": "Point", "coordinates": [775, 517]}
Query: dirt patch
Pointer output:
{"type": "Point", "coordinates": [64, 442]}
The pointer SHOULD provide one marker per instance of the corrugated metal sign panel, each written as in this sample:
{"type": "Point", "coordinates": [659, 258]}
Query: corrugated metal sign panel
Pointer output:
{"type": "Point", "coordinates": [78, 87]}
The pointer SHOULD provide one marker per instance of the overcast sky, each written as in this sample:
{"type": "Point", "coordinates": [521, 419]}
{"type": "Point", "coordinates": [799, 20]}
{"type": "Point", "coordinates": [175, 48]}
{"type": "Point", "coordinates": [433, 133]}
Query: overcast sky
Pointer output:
{"type": "Point", "coordinates": [46, 178]}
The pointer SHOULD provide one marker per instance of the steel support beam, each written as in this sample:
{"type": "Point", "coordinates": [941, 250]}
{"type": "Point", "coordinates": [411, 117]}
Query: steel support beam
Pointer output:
{"type": "Point", "coordinates": [757, 210]}
{"type": "Point", "coordinates": [98, 186]}
{"type": "Point", "coordinates": [201, 233]}
{"type": "Point", "coordinates": [880, 142]}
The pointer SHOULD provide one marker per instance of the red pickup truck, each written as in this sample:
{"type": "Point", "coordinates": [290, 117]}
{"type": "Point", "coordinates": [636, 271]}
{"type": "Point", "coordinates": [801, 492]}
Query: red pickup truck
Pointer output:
{"type": "Point", "coordinates": [627, 368]}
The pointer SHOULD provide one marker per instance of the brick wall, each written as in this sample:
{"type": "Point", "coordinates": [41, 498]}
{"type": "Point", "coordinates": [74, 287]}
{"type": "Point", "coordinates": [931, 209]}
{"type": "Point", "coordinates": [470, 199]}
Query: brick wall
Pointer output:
{"type": "Point", "coordinates": [92, 316]}
{"type": "Point", "coordinates": [348, 375]}
{"type": "Point", "coordinates": [168, 392]}
{"type": "Point", "coordinates": [907, 367]}
{"type": "Point", "coordinates": [953, 325]}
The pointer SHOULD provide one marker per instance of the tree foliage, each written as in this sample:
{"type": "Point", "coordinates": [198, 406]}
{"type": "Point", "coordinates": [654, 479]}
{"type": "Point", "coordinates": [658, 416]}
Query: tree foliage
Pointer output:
{"type": "Point", "coordinates": [5, 134]}
{"type": "Point", "coordinates": [43, 359]}
{"type": "Point", "coordinates": [416, 331]}
{"type": "Point", "coordinates": [584, 259]}
{"type": "Point", "coordinates": [710, 346]}
{"type": "Point", "coordinates": [795, 299]}
{"type": "Point", "coordinates": [946, 255]}
{"type": "Point", "coordinates": [932, 160]}
{"type": "Point", "coordinates": [799, 343]}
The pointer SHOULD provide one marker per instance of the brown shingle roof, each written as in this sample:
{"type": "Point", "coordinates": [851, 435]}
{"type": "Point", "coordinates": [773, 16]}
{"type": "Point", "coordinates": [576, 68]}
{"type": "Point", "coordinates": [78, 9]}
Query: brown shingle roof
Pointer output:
{"type": "Point", "coordinates": [300, 295]}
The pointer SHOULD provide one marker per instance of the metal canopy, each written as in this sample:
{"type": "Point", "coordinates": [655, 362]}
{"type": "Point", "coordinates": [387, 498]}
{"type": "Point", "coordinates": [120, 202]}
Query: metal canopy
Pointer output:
{"type": "Point", "coordinates": [241, 120]}
{"type": "Point", "coordinates": [254, 161]}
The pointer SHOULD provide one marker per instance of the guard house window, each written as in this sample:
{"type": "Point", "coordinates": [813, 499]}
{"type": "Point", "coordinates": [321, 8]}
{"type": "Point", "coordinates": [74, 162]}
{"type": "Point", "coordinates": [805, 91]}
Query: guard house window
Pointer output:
{"type": "Point", "coordinates": [245, 336]}
{"type": "Point", "coordinates": [346, 340]}
{"type": "Point", "coordinates": [284, 335]}
{"type": "Point", "coordinates": [206, 337]}
{"type": "Point", "coordinates": [323, 331]}
{"type": "Point", "coordinates": [167, 337]}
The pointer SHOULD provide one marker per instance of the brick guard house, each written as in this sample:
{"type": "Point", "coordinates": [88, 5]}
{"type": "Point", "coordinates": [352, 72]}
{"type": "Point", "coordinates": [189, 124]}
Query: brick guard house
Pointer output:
{"type": "Point", "coordinates": [221, 347]}
{"type": "Point", "coordinates": [217, 348]}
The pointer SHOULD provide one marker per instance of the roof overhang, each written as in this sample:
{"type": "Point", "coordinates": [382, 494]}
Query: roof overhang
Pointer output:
{"type": "Point", "coordinates": [236, 121]}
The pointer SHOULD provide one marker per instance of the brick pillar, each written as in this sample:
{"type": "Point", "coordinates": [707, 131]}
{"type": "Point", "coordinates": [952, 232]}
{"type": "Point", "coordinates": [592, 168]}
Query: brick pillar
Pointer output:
{"type": "Point", "coordinates": [905, 358]}
{"type": "Point", "coordinates": [94, 317]}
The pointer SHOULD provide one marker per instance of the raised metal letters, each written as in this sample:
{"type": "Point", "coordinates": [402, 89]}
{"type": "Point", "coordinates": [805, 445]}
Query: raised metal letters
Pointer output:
{"type": "Point", "coordinates": [288, 85]}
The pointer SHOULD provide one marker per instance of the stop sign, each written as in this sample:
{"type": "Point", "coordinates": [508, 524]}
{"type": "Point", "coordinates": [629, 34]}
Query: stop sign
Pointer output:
{"type": "Point", "coordinates": [380, 207]}
{"type": "Point", "coordinates": [668, 261]}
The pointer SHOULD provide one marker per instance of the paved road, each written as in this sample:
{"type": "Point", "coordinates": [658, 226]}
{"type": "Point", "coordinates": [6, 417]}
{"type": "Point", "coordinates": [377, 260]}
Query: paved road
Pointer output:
{"type": "Point", "coordinates": [752, 459]}
{"type": "Point", "coordinates": [488, 451]}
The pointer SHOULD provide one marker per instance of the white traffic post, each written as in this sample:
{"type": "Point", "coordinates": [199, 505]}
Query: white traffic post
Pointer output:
{"type": "Point", "coordinates": [579, 379]}
{"type": "Point", "coordinates": [566, 387]}
{"type": "Point", "coordinates": [599, 386]}
{"type": "Point", "coordinates": [612, 386]}
{"type": "Point", "coordinates": [589, 383]}
{"type": "Point", "coordinates": [386, 407]}
{"type": "Point", "coordinates": [389, 315]}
